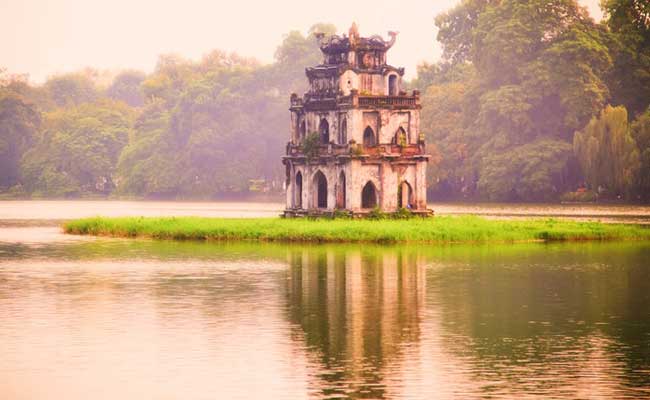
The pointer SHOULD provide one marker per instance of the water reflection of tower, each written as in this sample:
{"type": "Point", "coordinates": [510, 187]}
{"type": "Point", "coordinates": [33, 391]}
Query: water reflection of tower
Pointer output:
{"type": "Point", "coordinates": [357, 311]}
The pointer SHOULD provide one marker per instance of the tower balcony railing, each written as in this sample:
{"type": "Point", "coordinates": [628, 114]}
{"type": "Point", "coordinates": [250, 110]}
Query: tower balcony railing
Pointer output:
{"type": "Point", "coordinates": [390, 150]}
{"type": "Point", "coordinates": [388, 101]}
{"type": "Point", "coordinates": [353, 149]}
{"type": "Point", "coordinates": [330, 99]}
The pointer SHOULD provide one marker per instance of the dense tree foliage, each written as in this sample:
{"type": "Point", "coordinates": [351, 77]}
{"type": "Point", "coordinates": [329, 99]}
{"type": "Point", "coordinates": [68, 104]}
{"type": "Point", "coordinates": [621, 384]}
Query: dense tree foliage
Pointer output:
{"type": "Point", "coordinates": [210, 127]}
{"type": "Point", "coordinates": [19, 123]}
{"type": "Point", "coordinates": [71, 90]}
{"type": "Point", "coordinates": [518, 79]}
{"type": "Point", "coordinates": [126, 87]}
{"type": "Point", "coordinates": [640, 131]}
{"type": "Point", "coordinates": [202, 126]}
{"type": "Point", "coordinates": [629, 22]}
{"type": "Point", "coordinates": [77, 149]}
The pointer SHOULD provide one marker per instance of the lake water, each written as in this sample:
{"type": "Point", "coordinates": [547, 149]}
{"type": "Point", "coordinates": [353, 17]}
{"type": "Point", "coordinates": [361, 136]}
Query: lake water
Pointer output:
{"type": "Point", "coordinates": [138, 319]}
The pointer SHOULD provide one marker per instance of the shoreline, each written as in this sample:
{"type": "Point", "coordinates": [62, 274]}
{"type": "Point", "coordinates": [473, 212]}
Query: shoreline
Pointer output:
{"type": "Point", "coordinates": [436, 230]}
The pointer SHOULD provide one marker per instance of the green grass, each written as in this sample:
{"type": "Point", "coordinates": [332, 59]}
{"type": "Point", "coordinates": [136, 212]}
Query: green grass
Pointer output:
{"type": "Point", "coordinates": [465, 229]}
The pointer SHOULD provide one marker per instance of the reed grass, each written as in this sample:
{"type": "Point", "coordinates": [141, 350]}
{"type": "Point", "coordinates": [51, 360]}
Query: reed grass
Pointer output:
{"type": "Point", "coordinates": [446, 229]}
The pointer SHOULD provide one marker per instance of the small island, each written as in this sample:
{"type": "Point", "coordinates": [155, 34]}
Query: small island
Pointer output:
{"type": "Point", "coordinates": [438, 230]}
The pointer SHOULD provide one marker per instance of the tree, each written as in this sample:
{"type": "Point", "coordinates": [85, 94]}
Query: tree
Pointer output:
{"type": "Point", "coordinates": [629, 20]}
{"type": "Point", "coordinates": [204, 133]}
{"type": "Point", "coordinates": [19, 122]}
{"type": "Point", "coordinates": [640, 131]}
{"type": "Point", "coordinates": [607, 152]}
{"type": "Point", "coordinates": [456, 29]}
{"type": "Point", "coordinates": [533, 171]}
{"type": "Point", "coordinates": [126, 88]}
{"type": "Point", "coordinates": [296, 53]}
{"type": "Point", "coordinates": [442, 120]}
{"type": "Point", "coordinates": [77, 150]}
{"type": "Point", "coordinates": [70, 90]}
{"type": "Point", "coordinates": [209, 127]}
{"type": "Point", "coordinates": [539, 76]}
{"type": "Point", "coordinates": [441, 73]}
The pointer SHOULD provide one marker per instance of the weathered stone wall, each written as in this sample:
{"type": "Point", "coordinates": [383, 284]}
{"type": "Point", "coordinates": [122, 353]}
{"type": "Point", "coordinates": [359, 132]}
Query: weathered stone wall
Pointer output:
{"type": "Point", "coordinates": [350, 80]}
{"type": "Point", "coordinates": [360, 175]}
{"type": "Point", "coordinates": [386, 86]}
{"type": "Point", "coordinates": [386, 122]}
{"type": "Point", "coordinates": [391, 121]}
{"type": "Point", "coordinates": [421, 185]}
{"type": "Point", "coordinates": [386, 177]}
{"type": "Point", "coordinates": [334, 119]}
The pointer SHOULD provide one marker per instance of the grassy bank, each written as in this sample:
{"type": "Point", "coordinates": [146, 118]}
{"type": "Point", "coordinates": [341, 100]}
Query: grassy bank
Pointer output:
{"type": "Point", "coordinates": [466, 229]}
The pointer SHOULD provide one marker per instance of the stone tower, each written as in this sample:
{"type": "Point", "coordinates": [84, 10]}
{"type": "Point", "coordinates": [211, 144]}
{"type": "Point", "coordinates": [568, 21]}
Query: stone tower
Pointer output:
{"type": "Point", "coordinates": [355, 135]}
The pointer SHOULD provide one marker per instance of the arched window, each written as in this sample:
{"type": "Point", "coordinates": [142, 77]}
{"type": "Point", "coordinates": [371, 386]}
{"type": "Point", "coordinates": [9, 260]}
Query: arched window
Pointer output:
{"type": "Point", "coordinates": [298, 192]}
{"type": "Point", "coordinates": [392, 85]}
{"type": "Point", "coordinates": [400, 137]}
{"type": "Point", "coordinates": [368, 137]}
{"type": "Point", "coordinates": [405, 195]}
{"type": "Point", "coordinates": [343, 132]}
{"type": "Point", "coordinates": [340, 191]}
{"type": "Point", "coordinates": [320, 190]}
{"type": "Point", "coordinates": [324, 130]}
{"type": "Point", "coordinates": [303, 130]}
{"type": "Point", "coordinates": [369, 196]}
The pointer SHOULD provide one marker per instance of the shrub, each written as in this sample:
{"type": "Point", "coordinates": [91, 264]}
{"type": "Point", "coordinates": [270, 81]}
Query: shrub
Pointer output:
{"type": "Point", "coordinates": [586, 196]}
{"type": "Point", "coordinates": [341, 214]}
{"type": "Point", "coordinates": [356, 150]}
{"type": "Point", "coordinates": [376, 214]}
{"type": "Point", "coordinates": [310, 145]}
{"type": "Point", "coordinates": [402, 213]}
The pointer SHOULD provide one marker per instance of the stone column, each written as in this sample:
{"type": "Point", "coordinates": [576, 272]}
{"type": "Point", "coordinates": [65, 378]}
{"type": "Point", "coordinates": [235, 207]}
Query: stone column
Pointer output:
{"type": "Point", "coordinates": [290, 186]}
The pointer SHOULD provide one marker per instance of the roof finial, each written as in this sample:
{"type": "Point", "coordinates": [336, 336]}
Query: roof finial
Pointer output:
{"type": "Point", "coordinates": [393, 37]}
{"type": "Point", "coordinates": [354, 34]}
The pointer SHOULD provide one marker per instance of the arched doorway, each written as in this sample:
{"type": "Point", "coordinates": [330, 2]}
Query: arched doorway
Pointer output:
{"type": "Point", "coordinates": [320, 190]}
{"type": "Point", "coordinates": [405, 195]}
{"type": "Point", "coordinates": [392, 85]}
{"type": "Point", "coordinates": [368, 137]}
{"type": "Point", "coordinates": [369, 196]}
{"type": "Point", "coordinates": [340, 191]}
{"type": "Point", "coordinates": [343, 132]}
{"type": "Point", "coordinates": [298, 192]}
{"type": "Point", "coordinates": [324, 131]}
{"type": "Point", "coordinates": [400, 137]}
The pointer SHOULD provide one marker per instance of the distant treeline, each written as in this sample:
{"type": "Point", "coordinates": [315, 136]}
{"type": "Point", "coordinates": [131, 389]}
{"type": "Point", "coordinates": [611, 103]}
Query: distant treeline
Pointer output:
{"type": "Point", "coordinates": [533, 101]}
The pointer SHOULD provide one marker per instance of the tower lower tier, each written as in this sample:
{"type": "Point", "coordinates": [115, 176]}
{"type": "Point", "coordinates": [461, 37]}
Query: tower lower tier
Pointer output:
{"type": "Point", "coordinates": [356, 185]}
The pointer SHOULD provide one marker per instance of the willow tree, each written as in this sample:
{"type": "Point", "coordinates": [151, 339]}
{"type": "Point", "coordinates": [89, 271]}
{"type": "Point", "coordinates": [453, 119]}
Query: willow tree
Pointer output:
{"type": "Point", "coordinates": [607, 152]}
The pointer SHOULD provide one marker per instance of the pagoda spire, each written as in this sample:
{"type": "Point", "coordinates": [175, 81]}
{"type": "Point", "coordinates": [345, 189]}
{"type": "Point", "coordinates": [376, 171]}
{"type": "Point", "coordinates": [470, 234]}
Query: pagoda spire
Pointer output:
{"type": "Point", "coordinates": [353, 35]}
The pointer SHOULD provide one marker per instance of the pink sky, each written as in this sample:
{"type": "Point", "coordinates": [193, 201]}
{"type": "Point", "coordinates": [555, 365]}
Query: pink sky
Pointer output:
{"type": "Point", "coordinates": [45, 37]}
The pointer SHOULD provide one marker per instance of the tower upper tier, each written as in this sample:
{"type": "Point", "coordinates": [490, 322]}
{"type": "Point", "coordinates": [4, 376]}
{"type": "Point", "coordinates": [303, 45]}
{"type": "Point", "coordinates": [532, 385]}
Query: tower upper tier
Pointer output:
{"type": "Point", "coordinates": [356, 63]}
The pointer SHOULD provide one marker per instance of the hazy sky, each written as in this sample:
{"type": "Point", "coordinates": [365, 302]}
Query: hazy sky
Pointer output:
{"type": "Point", "coordinates": [44, 37]}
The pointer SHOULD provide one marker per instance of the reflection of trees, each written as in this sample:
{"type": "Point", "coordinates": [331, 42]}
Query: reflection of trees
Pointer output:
{"type": "Point", "coordinates": [356, 308]}
{"type": "Point", "coordinates": [548, 319]}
